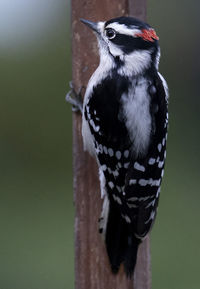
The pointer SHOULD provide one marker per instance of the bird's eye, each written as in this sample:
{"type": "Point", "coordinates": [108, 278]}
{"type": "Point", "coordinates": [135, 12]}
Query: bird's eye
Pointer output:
{"type": "Point", "coordinates": [110, 33]}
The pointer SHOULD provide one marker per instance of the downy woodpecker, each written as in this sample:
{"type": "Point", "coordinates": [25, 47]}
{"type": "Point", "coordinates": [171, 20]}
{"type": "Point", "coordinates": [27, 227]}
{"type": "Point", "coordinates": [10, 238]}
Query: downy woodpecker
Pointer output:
{"type": "Point", "coordinates": [125, 122]}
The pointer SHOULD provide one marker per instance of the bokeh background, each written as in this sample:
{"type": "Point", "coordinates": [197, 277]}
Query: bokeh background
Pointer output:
{"type": "Point", "coordinates": [36, 198]}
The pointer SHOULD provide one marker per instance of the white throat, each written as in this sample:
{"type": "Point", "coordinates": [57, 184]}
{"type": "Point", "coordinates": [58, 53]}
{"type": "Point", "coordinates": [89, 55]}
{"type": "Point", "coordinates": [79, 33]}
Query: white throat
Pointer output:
{"type": "Point", "coordinates": [135, 63]}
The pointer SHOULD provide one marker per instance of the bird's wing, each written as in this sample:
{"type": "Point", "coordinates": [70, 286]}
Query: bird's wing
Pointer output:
{"type": "Point", "coordinates": [144, 175]}
{"type": "Point", "coordinates": [110, 135]}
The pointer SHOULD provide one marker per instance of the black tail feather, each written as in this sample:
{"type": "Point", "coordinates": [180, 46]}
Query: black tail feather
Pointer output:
{"type": "Point", "coordinates": [131, 255]}
{"type": "Point", "coordinates": [115, 238]}
{"type": "Point", "coordinates": [121, 245]}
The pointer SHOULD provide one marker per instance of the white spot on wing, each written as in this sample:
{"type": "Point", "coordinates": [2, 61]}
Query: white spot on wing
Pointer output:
{"type": "Point", "coordinates": [161, 164]}
{"type": "Point", "coordinates": [127, 219]}
{"type": "Point", "coordinates": [163, 141]}
{"type": "Point", "coordinates": [151, 182]}
{"type": "Point", "coordinates": [133, 199]}
{"type": "Point", "coordinates": [117, 199]}
{"type": "Point", "coordinates": [110, 152]}
{"type": "Point", "coordinates": [105, 150]}
{"type": "Point", "coordinates": [144, 198]}
{"type": "Point", "coordinates": [131, 206]}
{"type": "Point", "coordinates": [141, 199]}
{"type": "Point", "coordinates": [100, 148]}
{"type": "Point", "coordinates": [132, 182]}
{"type": "Point", "coordinates": [139, 167]}
{"type": "Point", "coordinates": [126, 153]}
{"type": "Point", "coordinates": [119, 189]}
{"type": "Point", "coordinates": [118, 155]}
{"type": "Point", "coordinates": [152, 161]}
{"type": "Point", "coordinates": [119, 165]}
{"type": "Point", "coordinates": [111, 185]}
{"type": "Point", "coordinates": [126, 165]}
{"type": "Point", "coordinates": [156, 183]}
{"type": "Point", "coordinates": [159, 147]}
{"type": "Point", "coordinates": [115, 173]}
{"type": "Point", "coordinates": [110, 171]}
{"type": "Point", "coordinates": [143, 182]}
{"type": "Point", "coordinates": [96, 128]}
{"type": "Point", "coordinates": [103, 167]}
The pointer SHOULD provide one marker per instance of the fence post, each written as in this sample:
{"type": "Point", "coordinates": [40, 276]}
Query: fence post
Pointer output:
{"type": "Point", "coordinates": [92, 270]}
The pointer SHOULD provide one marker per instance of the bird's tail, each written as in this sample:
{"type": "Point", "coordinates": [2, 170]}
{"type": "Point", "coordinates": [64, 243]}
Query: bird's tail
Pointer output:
{"type": "Point", "coordinates": [131, 255]}
{"type": "Point", "coordinates": [121, 244]}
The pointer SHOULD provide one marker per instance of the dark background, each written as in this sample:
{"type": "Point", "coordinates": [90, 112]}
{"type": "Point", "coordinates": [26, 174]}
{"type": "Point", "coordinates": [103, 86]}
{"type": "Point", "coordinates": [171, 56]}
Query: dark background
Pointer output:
{"type": "Point", "coordinates": [36, 199]}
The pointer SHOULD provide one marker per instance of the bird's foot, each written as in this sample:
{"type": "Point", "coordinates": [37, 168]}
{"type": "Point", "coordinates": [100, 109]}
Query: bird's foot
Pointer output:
{"type": "Point", "coordinates": [75, 98]}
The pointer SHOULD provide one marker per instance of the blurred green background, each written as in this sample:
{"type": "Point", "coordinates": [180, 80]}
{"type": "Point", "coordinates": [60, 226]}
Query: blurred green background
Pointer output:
{"type": "Point", "coordinates": [36, 200]}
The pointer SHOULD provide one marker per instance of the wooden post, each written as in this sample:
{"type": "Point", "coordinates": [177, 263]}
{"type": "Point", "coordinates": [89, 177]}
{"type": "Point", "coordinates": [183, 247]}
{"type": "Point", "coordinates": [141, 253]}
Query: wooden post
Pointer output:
{"type": "Point", "coordinates": [92, 270]}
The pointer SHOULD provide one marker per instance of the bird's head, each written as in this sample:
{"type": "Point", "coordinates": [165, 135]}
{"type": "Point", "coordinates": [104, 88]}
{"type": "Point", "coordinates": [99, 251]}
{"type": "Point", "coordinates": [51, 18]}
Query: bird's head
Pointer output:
{"type": "Point", "coordinates": [131, 43]}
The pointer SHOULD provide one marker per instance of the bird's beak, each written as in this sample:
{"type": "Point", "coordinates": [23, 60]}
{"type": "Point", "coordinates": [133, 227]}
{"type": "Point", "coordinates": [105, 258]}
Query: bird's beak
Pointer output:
{"type": "Point", "coordinates": [92, 25]}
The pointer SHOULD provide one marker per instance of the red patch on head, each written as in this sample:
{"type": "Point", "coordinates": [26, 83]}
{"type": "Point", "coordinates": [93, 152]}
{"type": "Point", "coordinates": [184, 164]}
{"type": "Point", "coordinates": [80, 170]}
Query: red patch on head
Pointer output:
{"type": "Point", "coordinates": [148, 35]}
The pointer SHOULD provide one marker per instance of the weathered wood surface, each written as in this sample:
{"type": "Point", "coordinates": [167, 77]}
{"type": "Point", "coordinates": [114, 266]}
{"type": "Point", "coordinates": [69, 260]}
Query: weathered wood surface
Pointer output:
{"type": "Point", "coordinates": [92, 270]}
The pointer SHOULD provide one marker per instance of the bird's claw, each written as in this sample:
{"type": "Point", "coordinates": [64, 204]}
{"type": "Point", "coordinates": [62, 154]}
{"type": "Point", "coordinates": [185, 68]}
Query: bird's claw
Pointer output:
{"type": "Point", "coordinates": [75, 98]}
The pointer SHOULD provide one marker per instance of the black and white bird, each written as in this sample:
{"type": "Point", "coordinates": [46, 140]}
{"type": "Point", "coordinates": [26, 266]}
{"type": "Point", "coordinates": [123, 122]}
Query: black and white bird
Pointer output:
{"type": "Point", "coordinates": [125, 122]}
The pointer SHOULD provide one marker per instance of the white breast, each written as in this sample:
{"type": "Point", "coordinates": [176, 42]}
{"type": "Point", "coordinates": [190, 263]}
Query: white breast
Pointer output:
{"type": "Point", "coordinates": [136, 110]}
